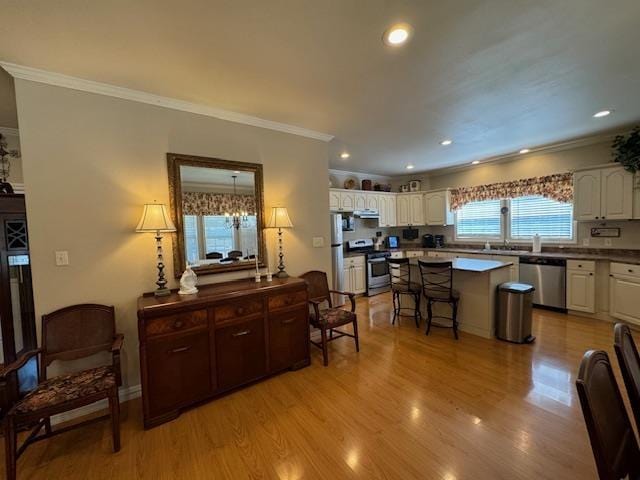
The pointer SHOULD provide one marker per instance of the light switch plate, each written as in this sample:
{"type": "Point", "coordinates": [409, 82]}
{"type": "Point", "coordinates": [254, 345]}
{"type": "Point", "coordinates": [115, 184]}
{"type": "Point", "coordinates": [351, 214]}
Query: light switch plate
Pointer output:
{"type": "Point", "coordinates": [585, 242]}
{"type": "Point", "coordinates": [318, 242]}
{"type": "Point", "coordinates": [62, 258]}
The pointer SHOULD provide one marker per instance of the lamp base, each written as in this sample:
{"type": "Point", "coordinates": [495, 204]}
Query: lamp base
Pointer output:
{"type": "Point", "coordinates": [162, 292]}
{"type": "Point", "coordinates": [281, 274]}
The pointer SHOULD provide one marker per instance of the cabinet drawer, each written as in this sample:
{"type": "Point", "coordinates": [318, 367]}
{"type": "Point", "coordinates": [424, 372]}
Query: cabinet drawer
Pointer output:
{"type": "Point", "coordinates": [180, 371]}
{"type": "Point", "coordinates": [288, 339]}
{"type": "Point", "coordinates": [584, 265]}
{"type": "Point", "coordinates": [626, 269]}
{"type": "Point", "coordinates": [240, 353]}
{"type": "Point", "coordinates": [285, 300]}
{"type": "Point", "coordinates": [414, 253]}
{"type": "Point", "coordinates": [180, 322]}
{"type": "Point", "coordinates": [232, 311]}
{"type": "Point", "coordinates": [354, 261]}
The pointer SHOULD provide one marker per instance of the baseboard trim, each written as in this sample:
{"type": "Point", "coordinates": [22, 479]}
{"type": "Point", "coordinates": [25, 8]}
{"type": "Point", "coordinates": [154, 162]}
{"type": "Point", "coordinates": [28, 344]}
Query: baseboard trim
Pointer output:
{"type": "Point", "coordinates": [125, 394]}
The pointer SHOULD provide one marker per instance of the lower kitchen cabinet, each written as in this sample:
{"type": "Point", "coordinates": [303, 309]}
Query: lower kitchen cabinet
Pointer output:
{"type": "Point", "coordinates": [581, 286]}
{"type": "Point", "coordinates": [355, 275]}
{"type": "Point", "coordinates": [624, 292]}
{"type": "Point", "coordinates": [195, 347]}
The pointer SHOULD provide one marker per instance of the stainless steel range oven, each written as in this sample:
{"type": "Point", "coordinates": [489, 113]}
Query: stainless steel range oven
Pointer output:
{"type": "Point", "coordinates": [378, 277]}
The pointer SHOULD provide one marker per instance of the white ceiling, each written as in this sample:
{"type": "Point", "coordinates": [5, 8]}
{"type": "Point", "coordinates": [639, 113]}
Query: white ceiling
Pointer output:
{"type": "Point", "coordinates": [494, 75]}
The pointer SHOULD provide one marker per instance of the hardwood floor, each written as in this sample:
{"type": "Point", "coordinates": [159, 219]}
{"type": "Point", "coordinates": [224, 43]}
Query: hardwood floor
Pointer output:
{"type": "Point", "coordinates": [407, 406]}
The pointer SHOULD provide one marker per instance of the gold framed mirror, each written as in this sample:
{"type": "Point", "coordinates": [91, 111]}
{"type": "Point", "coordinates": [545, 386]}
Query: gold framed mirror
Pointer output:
{"type": "Point", "coordinates": [218, 209]}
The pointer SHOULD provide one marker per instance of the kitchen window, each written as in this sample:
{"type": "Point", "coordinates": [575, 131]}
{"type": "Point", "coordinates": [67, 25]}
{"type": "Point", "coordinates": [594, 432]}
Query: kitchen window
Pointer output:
{"type": "Point", "coordinates": [526, 216]}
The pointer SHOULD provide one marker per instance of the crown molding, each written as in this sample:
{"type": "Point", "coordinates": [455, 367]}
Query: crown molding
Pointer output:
{"type": "Point", "coordinates": [60, 80]}
{"type": "Point", "coordinates": [9, 131]}
{"type": "Point", "coordinates": [585, 141]}
{"type": "Point", "coordinates": [372, 176]}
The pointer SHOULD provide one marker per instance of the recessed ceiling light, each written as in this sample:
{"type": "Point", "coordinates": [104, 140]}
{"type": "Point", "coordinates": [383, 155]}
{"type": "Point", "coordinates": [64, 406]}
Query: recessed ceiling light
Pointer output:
{"type": "Point", "coordinates": [236, 171]}
{"type": "Point", "coordinates": [475, 162]}
{"type": "Point", "coordinates": [410, 167]}
{"type": "Point", "coordinates": [397, 35]}
{"type": "Point", "coordinates": [345, 155]}
{"type": "Point", "coordinates": [602, 113]}
{"type": "Point", "coordinates": [525, 150]}
{"type": "Point", "coordinates": [446, 142]}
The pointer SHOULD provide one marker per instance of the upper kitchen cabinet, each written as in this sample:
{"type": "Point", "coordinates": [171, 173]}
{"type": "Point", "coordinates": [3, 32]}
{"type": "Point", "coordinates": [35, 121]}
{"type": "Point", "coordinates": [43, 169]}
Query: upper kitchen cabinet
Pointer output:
{"type": "Point", "coordinates": [603, 194]}
{"type": "Point", "coordinates": [410, 209]}
{"type": "Point", "coordinates": [360, 201]}
{"type": "Point", "coordinates": [387, 210]}
{"type": "Point", "coordinates": [437, 209]}
{"type": "Point", "coordinates": [342, 200]}
{"type": "Point", "coordinates": [372, 201]}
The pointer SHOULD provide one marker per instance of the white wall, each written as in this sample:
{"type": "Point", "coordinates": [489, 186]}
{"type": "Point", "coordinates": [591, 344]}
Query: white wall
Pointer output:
{"type": "Point", "coordinates": [90, 163]}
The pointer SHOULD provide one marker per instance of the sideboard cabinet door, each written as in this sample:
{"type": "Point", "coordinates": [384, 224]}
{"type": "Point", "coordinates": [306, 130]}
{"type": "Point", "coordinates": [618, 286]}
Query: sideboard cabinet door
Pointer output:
{"type": "Point", "coordinates": [288, 339]}
{"type": "Point", "coordinates": [240, 352]}
{"type": "Point", "coordinates": [181, 371]}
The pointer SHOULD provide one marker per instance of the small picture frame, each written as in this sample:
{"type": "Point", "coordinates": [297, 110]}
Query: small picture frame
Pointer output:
{"type": "Point", "coordinates": [605, 232]}
{"type": "Point", "coordinates": [404, 188]}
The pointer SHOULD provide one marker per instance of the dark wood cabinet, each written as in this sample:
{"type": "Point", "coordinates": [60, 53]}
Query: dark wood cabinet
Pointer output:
{"type": "Point", "coordinates": [196, 347]}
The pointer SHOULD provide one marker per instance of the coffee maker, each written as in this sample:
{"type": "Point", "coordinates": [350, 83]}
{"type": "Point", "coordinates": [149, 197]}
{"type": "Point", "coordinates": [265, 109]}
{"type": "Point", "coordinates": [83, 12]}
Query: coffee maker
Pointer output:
{"type": "Point", "coordinates": [432, 241]}
{"type": "Point", "coordinates": [439, 240]}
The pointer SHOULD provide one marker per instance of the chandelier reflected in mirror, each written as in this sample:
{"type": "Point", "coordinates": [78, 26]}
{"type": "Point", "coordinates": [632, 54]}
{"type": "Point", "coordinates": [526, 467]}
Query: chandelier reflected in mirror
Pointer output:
{"type": "Point", "coordinates": [237, 218]}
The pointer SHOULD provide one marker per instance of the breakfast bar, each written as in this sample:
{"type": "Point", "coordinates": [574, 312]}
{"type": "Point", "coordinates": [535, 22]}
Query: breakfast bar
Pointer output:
{"type": "Point", "coordinates": [477, 281]}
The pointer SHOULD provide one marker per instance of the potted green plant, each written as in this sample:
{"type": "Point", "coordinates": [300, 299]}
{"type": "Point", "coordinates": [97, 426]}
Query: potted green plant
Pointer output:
{"type": "Point", "coordinates": [626, 150]}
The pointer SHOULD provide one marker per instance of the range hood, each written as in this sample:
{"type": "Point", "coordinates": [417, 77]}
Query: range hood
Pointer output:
{"type": "Point", "coordinates": [367, 213]}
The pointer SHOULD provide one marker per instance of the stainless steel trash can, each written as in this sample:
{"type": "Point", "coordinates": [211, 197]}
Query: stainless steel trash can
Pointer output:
{"type": "Point", "coordinates": [514, 312]}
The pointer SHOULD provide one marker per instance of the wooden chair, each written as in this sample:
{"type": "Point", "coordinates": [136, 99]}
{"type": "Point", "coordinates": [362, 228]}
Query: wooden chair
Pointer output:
{"type": "Point", "coordinates": [629, 362]}
{"type": "Point", "coordinates": [437, 287]}
{"type": "Point", "coordinates": [328, 317]}
{"type": "Point", "coordinates": [68, 334]}
{"type": "Point", "coordinates": [401, 284]}
{"type": "Point", "coordinates": [612, 438]}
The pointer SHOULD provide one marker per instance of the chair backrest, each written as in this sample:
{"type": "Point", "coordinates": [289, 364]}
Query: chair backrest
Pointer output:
{"type": "Point", "coordinates": [437, 277]}
{"type": "Point", "coordinates": [612, 438]}
{"type": "Point", "coordinates": [629, 362]}
{"type": "Point", "coordinates": [235, 254]}
{"type": "Point", "coordinates": [76, 332]}
{"type": "Point", "coordinates": [213, 255]}
{"type": "Point", "coordinates": [400, 271]}
{"type": "Point", "coordinates": [318, 286]}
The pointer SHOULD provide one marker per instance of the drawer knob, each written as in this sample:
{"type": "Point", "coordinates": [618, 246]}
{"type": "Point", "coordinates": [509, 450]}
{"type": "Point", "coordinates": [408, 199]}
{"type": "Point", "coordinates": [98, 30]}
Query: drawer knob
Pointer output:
{"type": "Point", "coordinates": [178, 324]}
{"type": "Point", "coordinates": [579, 265]}
{"type": "Point", "coordinates": [630, 270]}
{"type": "Point", "coordinates": [591, 274]}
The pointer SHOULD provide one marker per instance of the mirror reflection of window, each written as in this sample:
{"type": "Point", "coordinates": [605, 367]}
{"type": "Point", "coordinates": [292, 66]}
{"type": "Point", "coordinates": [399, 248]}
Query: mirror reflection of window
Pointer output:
{"type": "Point", "coordinates": [219, 215]}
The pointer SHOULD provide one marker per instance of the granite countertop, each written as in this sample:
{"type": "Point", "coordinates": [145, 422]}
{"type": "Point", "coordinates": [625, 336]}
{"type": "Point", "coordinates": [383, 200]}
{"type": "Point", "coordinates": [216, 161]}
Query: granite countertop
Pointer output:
{"type": "Point", "coordinates": [615, 256]}
{"type": "Point", "coordinates": [468, 264]}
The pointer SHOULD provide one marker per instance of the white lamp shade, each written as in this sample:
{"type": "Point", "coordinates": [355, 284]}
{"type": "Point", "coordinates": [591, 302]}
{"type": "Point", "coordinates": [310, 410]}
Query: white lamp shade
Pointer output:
{"type": "Point", "coordinates": [155, 218]}
{"type": "Point", "coordinates": [279, 218]}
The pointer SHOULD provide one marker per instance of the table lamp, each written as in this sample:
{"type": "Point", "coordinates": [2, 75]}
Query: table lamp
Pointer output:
{"type": "Point", "coordinates": [280, 219]}
{"type": "Point", "coordinates": [155, 218]}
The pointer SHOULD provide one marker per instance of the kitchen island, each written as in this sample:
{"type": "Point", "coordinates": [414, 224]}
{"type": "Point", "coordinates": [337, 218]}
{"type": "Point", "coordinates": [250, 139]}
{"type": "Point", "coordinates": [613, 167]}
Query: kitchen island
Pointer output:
{"type": "Point", "coordinates": [477, 281]}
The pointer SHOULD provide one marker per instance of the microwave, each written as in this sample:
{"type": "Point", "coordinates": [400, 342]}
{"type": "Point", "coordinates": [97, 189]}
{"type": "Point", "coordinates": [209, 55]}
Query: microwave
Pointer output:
{"type": "Point", "coordinates": [348, 223]}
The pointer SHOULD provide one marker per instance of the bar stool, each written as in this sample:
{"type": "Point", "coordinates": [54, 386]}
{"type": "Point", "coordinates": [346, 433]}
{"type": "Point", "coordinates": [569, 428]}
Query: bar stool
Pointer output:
{"type": "Point", "coordinates": [437, 287]}
{"type": "Point", "coordinates": [401, 284]}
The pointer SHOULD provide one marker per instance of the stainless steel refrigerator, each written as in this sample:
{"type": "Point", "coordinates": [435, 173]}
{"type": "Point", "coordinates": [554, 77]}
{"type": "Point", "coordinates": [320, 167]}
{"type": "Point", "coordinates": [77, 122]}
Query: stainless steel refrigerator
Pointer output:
{"type": "Point", "coordinates": [337, 259]}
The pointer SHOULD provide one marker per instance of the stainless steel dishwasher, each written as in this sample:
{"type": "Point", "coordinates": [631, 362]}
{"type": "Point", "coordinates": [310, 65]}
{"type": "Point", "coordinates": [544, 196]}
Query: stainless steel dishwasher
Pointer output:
{"type": "Point", "coordinates": [548, 277]}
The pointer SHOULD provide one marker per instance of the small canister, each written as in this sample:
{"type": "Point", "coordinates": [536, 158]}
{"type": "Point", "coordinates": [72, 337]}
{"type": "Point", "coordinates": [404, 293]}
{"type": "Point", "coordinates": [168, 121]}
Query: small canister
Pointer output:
{"type": "Point", "coordinates": [366, 184]}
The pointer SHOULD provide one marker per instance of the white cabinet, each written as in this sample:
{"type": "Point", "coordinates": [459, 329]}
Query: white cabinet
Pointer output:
{"type": "Point", "coordinates": [387, 210]}
{"type": "Point", "coordinates": [355, 275]}
{"type": "Point", "coordinates": [342, 200]}
{"type": "Point", "coordinates": [410, 209]}
{"type": "Point", "coordinates": [372, 201]}
{"type": "Point", "coordinates": [359, 201]}
{"type": "Point", "coordinates": [414, 253]}
{"type": "Point", "coordinates": [603, 194]}
{"type": "Point", "coordinates": [624, 292]}
{"type": "Point", "coordinates": [616, 194]}
{"type": "Point", "coordinates": [437, 210]}
{"type": "Point", "coordinates": [581, 286]}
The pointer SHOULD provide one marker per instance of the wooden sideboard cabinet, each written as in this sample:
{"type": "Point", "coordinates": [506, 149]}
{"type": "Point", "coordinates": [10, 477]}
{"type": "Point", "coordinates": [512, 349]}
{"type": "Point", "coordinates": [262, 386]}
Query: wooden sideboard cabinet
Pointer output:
{"type": "Point", "coordinates": [195, 347]}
